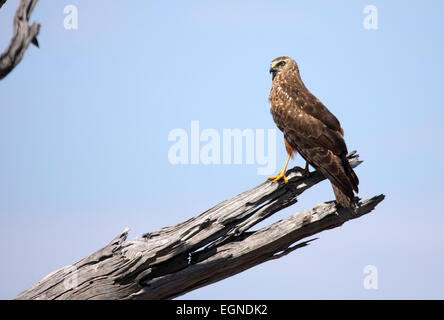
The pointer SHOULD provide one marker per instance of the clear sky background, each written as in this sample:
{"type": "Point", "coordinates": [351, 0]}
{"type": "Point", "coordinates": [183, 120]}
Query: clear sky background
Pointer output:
{"type": "Point", "coordinates": [84, 124]}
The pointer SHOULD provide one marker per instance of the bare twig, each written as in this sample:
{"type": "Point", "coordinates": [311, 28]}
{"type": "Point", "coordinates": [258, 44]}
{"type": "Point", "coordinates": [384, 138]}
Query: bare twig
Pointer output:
{"type": "Point", "coordinates": [23, 35]}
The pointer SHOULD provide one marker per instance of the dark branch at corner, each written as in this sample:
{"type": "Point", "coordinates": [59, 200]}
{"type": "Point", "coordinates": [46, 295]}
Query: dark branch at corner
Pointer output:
{"type": "Point", "coordinates": [23, 35]}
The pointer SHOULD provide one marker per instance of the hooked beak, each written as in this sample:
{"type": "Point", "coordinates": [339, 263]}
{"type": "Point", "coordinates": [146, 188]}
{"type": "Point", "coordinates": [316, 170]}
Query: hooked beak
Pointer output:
{"type": "Point", "coordinates": [273, 71]}
{"type": "Point", "coordinates": [273, 68]}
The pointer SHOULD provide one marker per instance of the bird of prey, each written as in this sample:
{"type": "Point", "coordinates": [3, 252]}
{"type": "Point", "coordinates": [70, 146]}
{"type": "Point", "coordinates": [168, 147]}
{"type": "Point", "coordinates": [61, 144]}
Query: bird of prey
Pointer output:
{"type": "Point", "coordinates": [310, 129]}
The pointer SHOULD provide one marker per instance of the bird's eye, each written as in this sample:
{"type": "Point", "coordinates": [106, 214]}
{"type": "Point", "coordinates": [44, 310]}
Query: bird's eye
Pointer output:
{"type": "Point", "coordinates": [282, 63]}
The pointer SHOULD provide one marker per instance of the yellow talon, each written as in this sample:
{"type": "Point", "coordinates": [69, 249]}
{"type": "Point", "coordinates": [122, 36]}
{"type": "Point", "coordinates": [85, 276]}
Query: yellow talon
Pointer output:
{"type": "Point", "coordinates": [280, 176]}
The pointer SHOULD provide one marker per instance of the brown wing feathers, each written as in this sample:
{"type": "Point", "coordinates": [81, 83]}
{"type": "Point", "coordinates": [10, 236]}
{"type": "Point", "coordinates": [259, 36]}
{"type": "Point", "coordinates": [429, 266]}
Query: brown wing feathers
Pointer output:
{"type": "Point", "coordinates": [329, 164]}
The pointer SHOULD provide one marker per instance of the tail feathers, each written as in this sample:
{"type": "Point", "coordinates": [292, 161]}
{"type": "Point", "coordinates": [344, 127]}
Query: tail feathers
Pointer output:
{"type": "Point", "coordinates": [343, 199]}
{"type": "Point", "coordinates": [353, 178]}
{"type": "Point", "coordinates": [345, 196]}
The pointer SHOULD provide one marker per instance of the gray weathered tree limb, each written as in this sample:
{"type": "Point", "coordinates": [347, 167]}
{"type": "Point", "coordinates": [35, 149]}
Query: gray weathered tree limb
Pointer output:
{"type": "Point", "coordinates": [202, 250]}
{"type": "Point", "coordinates": [23, 35]}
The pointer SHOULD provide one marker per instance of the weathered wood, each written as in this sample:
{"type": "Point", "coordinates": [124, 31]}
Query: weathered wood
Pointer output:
{"type": "Point", "coordinates": [23, 35]}
{"type": "Point", "coordinates": [202, 250]}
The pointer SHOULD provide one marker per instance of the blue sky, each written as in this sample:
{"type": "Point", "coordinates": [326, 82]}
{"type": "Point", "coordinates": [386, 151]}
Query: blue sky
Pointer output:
{"type": "Point", "coordinates": [84, 124]}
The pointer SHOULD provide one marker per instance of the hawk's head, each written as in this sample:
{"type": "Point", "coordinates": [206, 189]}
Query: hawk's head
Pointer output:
{"type": "Point", "coordinates": [281, 64]}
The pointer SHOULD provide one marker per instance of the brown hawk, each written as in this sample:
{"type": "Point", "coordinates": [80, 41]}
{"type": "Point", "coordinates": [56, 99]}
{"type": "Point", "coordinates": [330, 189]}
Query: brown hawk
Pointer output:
{"type": "Point", "coordinates": [310, 129]}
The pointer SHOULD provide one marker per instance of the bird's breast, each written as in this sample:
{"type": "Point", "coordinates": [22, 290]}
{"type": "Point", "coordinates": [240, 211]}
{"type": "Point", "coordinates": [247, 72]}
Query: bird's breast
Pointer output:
{"type": "Point", "coordinates": [283, 108]}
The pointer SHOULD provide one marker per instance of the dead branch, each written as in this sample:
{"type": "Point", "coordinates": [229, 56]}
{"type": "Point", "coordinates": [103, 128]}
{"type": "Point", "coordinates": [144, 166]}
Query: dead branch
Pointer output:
{"type": "Point", "coordinates": [202, 250]}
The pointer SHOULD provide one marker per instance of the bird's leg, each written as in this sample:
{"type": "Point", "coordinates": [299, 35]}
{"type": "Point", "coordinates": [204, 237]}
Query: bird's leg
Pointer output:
{"type": "Point", "coordinates": [281, 174]}
{"type": "Point", "coordinates": [307, 170]}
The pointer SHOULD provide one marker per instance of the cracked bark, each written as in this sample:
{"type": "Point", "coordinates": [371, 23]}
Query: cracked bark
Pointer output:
{"type": "Point", "coordinates": [217, 244]}
{"type": "Point", "coordinates": [23, 35]}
